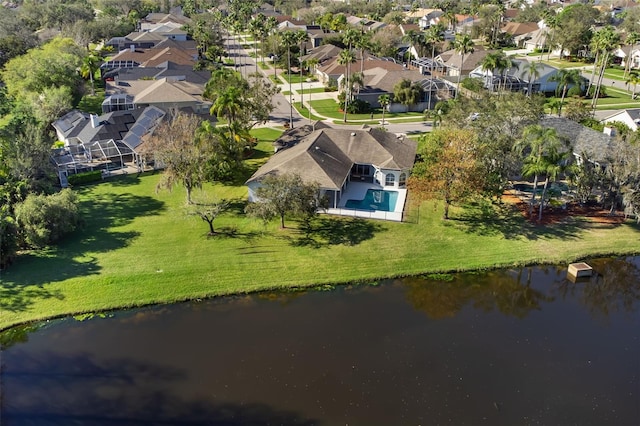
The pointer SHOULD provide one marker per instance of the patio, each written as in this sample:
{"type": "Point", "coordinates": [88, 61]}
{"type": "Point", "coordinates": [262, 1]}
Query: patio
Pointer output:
{"type": "Point", "coordinates": [358, 191]}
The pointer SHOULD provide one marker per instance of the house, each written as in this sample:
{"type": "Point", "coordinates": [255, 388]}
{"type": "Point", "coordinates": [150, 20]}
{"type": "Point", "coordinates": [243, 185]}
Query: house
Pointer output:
{"type": "Point", "coordinates": [625, 54]}
{"type": "Point", "coordinates": [346, 164]}
{"type": "Point", "coordinates": [451, 61]}
{"type": "Point", "coordinates": [165, 93]}
{"type": "Point", "coordinates": [628, 117]}
{"type": "Point", "coordinates": [536, 39]}
{"type": "Point", "coordinates": [519, 78]}
{"type": "Point", "coordinates": [583, 140]}
{"type": "Point", "coordinates": [77, 128]}
{"type": "Point", "coordinates": [181, 53]}
{"type": "Point", "coordinates": [164, 70]}
{"type": "Point", "coordinates": [107, 142]}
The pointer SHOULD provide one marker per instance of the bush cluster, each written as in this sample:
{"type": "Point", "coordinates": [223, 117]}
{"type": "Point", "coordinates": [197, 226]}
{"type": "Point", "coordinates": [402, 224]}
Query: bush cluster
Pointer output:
{"type": "Point", "coordinates": [85, 177]}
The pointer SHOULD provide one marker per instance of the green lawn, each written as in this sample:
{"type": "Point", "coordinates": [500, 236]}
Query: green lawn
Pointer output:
{"type": "Point", "coordinates": [329, 108]}
{"type": "Point", "coordinates": [317, 90]}
{"type": "Point", "coordinates": [138, 247]}
{"type": "Point", "coordinates": [92, 104]}
{"type": "Point", "coordinates": [305, 112]}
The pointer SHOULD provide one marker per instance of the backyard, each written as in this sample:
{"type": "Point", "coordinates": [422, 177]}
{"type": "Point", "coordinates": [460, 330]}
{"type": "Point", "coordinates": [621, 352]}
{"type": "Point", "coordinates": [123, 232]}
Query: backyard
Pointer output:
{"type": "Point", "coordinates": [138, 246]}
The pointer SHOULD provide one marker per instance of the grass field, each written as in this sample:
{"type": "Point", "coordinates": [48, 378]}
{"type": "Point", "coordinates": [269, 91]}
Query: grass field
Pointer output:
{"type": "Point", "coordinates": [329, 108]}
{"type": "Point", "coordinates": [137, 246]}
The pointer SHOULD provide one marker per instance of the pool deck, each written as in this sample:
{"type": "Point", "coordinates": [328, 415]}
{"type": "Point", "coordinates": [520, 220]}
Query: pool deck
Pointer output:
{"type": "Point", "coordinates": [357, 191]}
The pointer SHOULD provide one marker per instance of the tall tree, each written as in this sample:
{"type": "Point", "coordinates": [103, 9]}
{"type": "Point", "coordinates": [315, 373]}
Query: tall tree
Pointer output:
{"type": "Point", "coordinates": [279, 195]}
{"type": "Point", "coordinates": [532, 71]}
{"type": "Point", "coordinates": [536, 143]}
{"type": "Point", "coordinates": [289, 39]}
{"type": "Point", "coordinates": [407, 92]}
{"type": "Point", "coordinates": [184, 157]}
{"type": "Point", "coordinates": [633, 78]}
{"type": "Point", "coordinates": [566, 78]}
{"type": "Point", "coordinates": [346, 58]}
{"type": "Point", "coordinates": [384, 101]}
{"type": "Point", "coordinates": [433, 36]}
{"type": "Point", "coordinates": [631, 40]}
{"type": "Point", "coordinates": [90, 64]}
{"type": "Point", "coordinates": [449, 168]}
{"type": "Point", "coordinates": [462, 44]}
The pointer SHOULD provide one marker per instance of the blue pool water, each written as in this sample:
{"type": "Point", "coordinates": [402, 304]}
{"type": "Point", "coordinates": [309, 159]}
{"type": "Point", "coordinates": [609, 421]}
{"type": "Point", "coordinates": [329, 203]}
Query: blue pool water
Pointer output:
{"type": "Point", "coordinates": [375, 199]}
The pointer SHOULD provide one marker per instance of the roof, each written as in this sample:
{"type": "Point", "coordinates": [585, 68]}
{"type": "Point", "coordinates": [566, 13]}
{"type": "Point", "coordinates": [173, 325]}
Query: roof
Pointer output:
{"type": "Point", "coordinates": [326, 156]}
{"type": "Point", "coordinates": [583, 139]}
{"type": "Point", "coordinates": [324, 52]}
{"type": "Point", "coordinates": [158, 18]}
{"type": "Point", "coordinates": [164, 90]}
{"type": "Point", "coordinates": [166, 69]}
{"type": "Point", "coordinates": [471, 60]}
{"type": "Point", "coordinates": [519, 28]}
{"type": "Point", "coordinates": [386, 78]}
{"type": "Point", "coordinates": [178, 52]}
{"type": "Point", "coordinates": [128, 126]}
{"type": "Point", "coordinates": [633, 113]}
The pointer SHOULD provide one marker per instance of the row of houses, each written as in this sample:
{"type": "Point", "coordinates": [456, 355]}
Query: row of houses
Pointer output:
{"type": "Point", "coordinates": [151, 72]}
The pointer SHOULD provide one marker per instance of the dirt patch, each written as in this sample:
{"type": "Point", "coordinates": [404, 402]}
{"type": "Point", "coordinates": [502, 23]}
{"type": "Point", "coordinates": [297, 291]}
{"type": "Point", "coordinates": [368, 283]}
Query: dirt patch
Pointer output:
{"type": "Point", "coordinates": [557, 215]}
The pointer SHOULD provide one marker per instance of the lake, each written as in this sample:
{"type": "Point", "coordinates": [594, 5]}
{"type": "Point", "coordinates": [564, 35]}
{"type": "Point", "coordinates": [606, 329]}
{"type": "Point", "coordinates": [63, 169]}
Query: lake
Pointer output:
{"type": "Point", "coordinates": [522, 346]}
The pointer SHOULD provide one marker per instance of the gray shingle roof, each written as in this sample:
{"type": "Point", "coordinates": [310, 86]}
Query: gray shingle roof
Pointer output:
{"type": "Point", "coordinates": [326, 155]}
{"type": "Point", "coordinates": [583, 139]}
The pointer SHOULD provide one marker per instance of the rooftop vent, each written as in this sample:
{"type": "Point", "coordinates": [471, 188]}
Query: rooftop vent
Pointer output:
{"type": "Point", "coordinates": [353, 133]}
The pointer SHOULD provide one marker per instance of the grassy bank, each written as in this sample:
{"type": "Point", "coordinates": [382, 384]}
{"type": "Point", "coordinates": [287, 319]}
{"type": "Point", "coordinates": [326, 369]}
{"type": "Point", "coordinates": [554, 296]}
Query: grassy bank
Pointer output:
{"type": "Point", "coordinates": [138, 247]}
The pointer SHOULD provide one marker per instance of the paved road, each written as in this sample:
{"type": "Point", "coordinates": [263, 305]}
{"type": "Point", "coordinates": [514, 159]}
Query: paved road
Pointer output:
{"type": "Point", "coordinates": [283, 112]}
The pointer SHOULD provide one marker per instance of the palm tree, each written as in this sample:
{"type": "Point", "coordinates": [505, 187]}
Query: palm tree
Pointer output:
{"type": "Point", "coordinates": [450, 17]}
{"type": "Point", "coordinates": [384, 101]}
{"type": "Point", "coordinates": [504, 64]}
{"type": "Point", "coordinates": [489, 64]}
{"type": "Point", "coordinates": [302, 37]}
{"type": "Point", "coordinates": [633, 78]}
{"type": "Point", "coordinates": [462, 44]}
{"type": "Point", "coordinates": [414, 38]}
{"type": "Point", "coordinates": [536, 142]}
{"type": "Point", "coordinates": [288, 40]}
{"type": "Point", "coordinates": [433, 36]}
{"type": "Point", "coordinates": [311, 65]}
{"type": "Point", "coordinates": [229, 104]}
{"type": "Point", "coordinates": [555, 104]}
{"type": "Point", "coordinates": [532, 71]}
{"type": "Point", "coordinates": [632, 38]}
{"type": "Point", "coordinates": [565, 78]}
{"type": "Point", "coordinates": [90, 64]}
{"type": "Point", "coordinates": [553, 163]}
{"type": "Point", "coordinates": [606, 40]}
{"type": "Point", "coordinates": [363, 43]}
{"type": "Point", "coordinates": [347, 57]}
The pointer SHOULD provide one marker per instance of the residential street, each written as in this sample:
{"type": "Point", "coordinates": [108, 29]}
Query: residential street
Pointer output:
{"type": "Point", "coordinates": [283, 112]}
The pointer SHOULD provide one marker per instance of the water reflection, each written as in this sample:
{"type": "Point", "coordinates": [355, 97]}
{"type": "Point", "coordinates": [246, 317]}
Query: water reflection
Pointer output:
{"type": "Point", "coordinates": [502, 348]}
{"type": "Point", "coordinates": [508, 292]}
{"type": "Point", "coordinates": [615, 287]}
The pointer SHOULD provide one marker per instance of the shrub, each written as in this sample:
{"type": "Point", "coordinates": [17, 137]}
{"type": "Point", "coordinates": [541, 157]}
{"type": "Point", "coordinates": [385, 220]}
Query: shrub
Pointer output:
{"type": "Point", "coordinates": [358, 106]}
{"type": "Point", "coordinates": [574, 91]}
{"type": "Point", "coordinates": [473, 84]}
{"type": "Point", "coordinates": [44, 219]}
{"type": "Point", "coordinates": [85, 177]}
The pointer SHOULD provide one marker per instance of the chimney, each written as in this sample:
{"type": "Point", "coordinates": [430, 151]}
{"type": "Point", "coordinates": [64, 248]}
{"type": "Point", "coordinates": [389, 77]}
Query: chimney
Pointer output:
{"type": "Point", "coordinates": [94, 120]}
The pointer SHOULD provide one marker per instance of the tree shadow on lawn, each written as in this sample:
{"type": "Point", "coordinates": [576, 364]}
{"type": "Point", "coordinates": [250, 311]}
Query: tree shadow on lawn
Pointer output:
{"type": "Point", "coordinates": [328, 231]}
{"type": "Point", "coordinates": [489, 220]}
{"type": "Point", "coordinates": [60, 388]}
{"type": "Point", "coordinates": [24, 282]}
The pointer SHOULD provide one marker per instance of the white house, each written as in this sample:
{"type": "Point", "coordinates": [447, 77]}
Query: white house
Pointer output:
{"type": "Point", "coordinates": [628, 117]}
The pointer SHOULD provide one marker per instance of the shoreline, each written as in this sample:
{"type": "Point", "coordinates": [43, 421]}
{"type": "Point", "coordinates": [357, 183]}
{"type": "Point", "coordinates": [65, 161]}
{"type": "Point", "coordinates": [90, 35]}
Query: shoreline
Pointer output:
{"type": "Point", "coordinates": [305, 287]}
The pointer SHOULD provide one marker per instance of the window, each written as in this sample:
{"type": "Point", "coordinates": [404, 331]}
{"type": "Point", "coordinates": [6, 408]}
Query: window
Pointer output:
{"type": "Point", "coordinates": [390, 179]}
{"type": "Point", "coordinates": [403, 180]}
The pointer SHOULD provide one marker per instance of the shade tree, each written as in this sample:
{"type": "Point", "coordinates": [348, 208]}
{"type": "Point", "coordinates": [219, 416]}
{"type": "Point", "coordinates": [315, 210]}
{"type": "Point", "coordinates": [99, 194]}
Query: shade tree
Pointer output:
{"type": "Point", "coordinates": [285, 194]}
{"type": "Point", "coordinates": [448, 168]}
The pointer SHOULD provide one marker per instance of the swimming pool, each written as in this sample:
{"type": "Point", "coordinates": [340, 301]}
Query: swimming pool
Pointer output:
{"type": "Point", "coordinates": [375, 199]}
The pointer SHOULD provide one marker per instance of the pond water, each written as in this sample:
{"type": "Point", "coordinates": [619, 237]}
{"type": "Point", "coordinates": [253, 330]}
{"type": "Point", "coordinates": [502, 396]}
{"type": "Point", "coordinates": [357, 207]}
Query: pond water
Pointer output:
{"type": "Point", "coordinates": [523, 347]}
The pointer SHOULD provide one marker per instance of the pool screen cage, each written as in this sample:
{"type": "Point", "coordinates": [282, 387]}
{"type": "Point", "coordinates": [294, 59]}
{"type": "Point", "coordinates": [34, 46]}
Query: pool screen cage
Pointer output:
{"type": "Point", "coordinates": [105, 155]}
